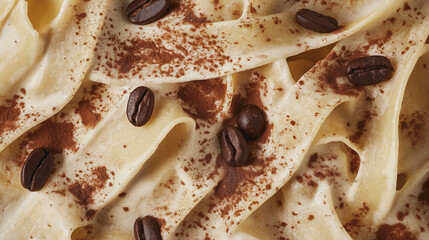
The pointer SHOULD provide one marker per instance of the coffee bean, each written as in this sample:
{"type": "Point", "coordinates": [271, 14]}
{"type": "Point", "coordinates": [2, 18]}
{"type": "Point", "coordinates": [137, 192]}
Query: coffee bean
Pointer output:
{"type": "Point", "coordinates": [233, 147]}
{"type": "Point", "coordinates": [147, 229]}
{"type": "Point", "coordinates": [369, 70]}
{"type": "Point", "coordinates": [143, 12]}
{"type": "Point", "coordinates": [315, 21]}
{"type": "Point", "coordinates": [37, 169]}
{"type": "Point", "coordinates": [251, 121]}
{"type": "Point", "coordinates": [140, 106]}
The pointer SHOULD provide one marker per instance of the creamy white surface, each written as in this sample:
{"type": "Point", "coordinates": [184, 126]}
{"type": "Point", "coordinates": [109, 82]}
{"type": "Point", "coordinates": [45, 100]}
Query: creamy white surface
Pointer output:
{"type": "Point", "coordinates": [157, 165]}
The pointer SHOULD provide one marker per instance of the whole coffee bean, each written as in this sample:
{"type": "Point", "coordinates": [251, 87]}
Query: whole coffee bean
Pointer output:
{"type": "Point", "coordinates": [147, 229]}
{"type": "Point", "coordinates": [369, 70]}
{"type": "Point", "coordinates": [143, 12]}
{"type": "Point", "coordinates": [251, 121]}
{"type": "Point", "coordinates": [315, 21]}
{"type": "Point", "coordinates": [140, 106]}
{"type": "Point", "coordinates": [37, 169]}
{"type": "Point", "coordinates": [233, 147]}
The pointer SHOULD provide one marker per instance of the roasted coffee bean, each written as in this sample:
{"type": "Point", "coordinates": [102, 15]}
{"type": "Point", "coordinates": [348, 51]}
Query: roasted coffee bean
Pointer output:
{"type": "Point", "coordinates": [315, 21]}
{"type": "Point", "coordinates": [251, 121]}
{"type": "Point", "coordinates": [233, 147]}
{"type": "Point", "coordinates": [369, 70]}
{"type": "Point", "coordinates": [147, 229]}
{"type": "Point", "coordinates": [37, 169]}
{"type": "Point", "coordinates": [143, 12]}
{"type": "Point", "coordinates": [140, 106]}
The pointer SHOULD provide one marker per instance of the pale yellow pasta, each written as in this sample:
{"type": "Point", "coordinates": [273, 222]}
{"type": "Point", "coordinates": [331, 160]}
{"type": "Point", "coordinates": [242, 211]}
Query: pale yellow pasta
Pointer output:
{"type": "Point", "coordinates": [336, 161]}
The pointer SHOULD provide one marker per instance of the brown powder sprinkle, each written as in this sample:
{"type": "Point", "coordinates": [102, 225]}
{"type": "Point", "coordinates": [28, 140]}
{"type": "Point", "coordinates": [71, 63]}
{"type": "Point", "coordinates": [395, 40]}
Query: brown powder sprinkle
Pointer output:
{"type": "Point", "coordinates": [85, 188]}
{"type": "Point", "coordinates": [79, 17]}
{"type": "Point", "coordinates": [133, 51]}
{"type": "Point", "coordinates": [170, 53]}
{"type": "Point", "coordinates": [239, 183]}
{"type": "Point", "coordinates": [400, 216]}
{"type": "Point", "coordinates": [184, 10]}
{"type": "Point", "coordinates": [394, 232]}
{"type": "Point", "coordinates": [9, 115]}
{"type": "Point", "coordinates": [83, 193]}
{"type": "Point", "coordinates": [406, 6]}
{"type": "Point", "coordinates": [412, 126]}
{"type": "Point", "coordinates": [191, 17]}
{"type": "Point", "coordinates": [333, 67]}
{"type": "Point", "coordinates": [354, 161]}
{"type": "Point", "coordinates": [87, 112]}
{"type": "Point", "coordinates": [56, 136]}
{"type": "Point", "coordinates": [230, 182]}
{"type": "Point", "coordinates": [253, 96]}
{"type": "Point", "coordinates": [361, 127]}
{"type": "Point", "coordinates": [353, 226]}
{"type": "Point", "coordinates": [424, 193]}
{"type": "Point", "coordinates": [90, 213]}
{"type": "Point", "coordinates": [381, 41]}
{"type": "Point", "coordinates": [100, 176]}
{"type": "Point", "coordinates": [201, 99]}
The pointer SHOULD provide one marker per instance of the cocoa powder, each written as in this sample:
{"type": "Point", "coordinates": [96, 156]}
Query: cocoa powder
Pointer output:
{"type": "Point", "coordinates": [424, 193]}
{"type": "Point", "coordinates": [333, 67]}
{"type": "Point", "coordinates": [88, 114]}
{"type": "Point", "coordinates": [9, 115]}
{"type": "Point", "coordinates": [56, 136]}
{"type": "Point", "coordinates": [238, 183]}
{"type": "Point", "coordinates": [201, 99]}
{"type": "Point", "coordinates": [83, 193]}
{"type": "Point", "coordinates": [397, 231]}
{"type": "Point", "coordinates": [412, 126]}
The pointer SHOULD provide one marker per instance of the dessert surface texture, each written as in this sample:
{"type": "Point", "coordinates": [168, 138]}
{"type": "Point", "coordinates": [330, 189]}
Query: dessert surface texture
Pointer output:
{"type": "Point", "coordinates": [214, 119]}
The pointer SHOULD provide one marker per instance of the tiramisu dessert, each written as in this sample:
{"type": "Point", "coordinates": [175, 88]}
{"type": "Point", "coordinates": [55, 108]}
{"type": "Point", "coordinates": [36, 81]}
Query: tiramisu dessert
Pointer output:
{"type": "Point", "coordinates": [214, 119]}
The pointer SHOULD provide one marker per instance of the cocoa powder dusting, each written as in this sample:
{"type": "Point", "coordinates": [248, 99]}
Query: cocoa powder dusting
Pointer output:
{"type": "Point", "coordinates": [406, 6]}
{"type": "Point", "coordinates": [412, 126]}
{"type": "Point", "coordinates": [9, 115]}
{"type": "Point", "coordinates": [85, 188]}
{"type": "Point", "coordinates": [90, 213]}
{"type": "Point", "coordinates": [424, 193]}
{"type": "Point", "coordinates": [133, 51]}
{"type": "Point", "coordinates": [191, 17]}
{"type": "Point", "coordinates": [100, 176]}
{"type": "Point", "coordinates": [88, 114]}
{"type": "Point", "coordinates": [238, 183]}
{"type": "Point", "coordinates": [56, 136]}
{"type": "Point", "coordinates": [201, 99]}
{"type": "Point", "coordinates": [361, 127]}
{"type": "Point", "coordinates": [185, 9]}
{"type": "Point", "coordinates": [230, 182]}
{"type": "Point", "coordinates": [169, 53]}
{"type": "Point", "coordinates": [79, 17]}
{"type": "Point", "coordinates": [83, 193]}
{"type": "Point", "coordinates": [394, 232]}
{"type": "Point", "coordinates": [400, 216]}
{"type": "Point", "coordinates": [354, 226]}
{"type": "Point", "coordinates": [253, 96]}
{"type": "Point", "coordinates": [333, 67]}
{"type": "Point", "coordinates": [379, 41]}
{"type": "Point", "coordinates": [354, 161]}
